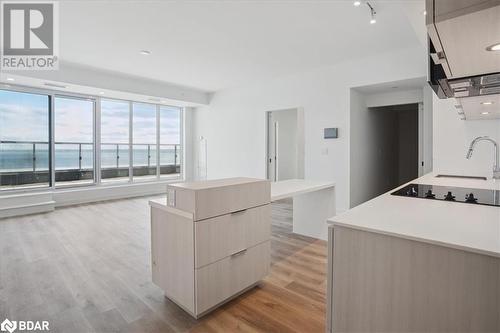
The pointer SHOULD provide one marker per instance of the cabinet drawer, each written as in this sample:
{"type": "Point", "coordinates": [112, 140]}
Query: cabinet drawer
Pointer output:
{"type": "Point", "coordinates": [222, 236]}
{"type": "Point", "coordinates": [218, 197]}
{"type": "Point", "coordinates": [225, 278]}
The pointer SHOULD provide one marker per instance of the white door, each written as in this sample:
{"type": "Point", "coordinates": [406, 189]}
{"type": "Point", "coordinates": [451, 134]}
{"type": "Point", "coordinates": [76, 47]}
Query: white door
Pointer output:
{"type": "Point", "coordinates": [272, 148]}
{"type": "Point", "coordinates": [282, 160]}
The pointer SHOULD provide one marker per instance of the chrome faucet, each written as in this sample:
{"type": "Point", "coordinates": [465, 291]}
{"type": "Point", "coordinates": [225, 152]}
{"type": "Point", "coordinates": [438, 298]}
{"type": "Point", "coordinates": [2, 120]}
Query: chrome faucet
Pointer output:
{"type": "Point", "coordinates": [496, 164]}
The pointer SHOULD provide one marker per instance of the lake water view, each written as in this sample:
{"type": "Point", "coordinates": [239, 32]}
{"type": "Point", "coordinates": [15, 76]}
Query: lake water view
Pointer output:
{"type": "Point", "coordinates": [20, 157]}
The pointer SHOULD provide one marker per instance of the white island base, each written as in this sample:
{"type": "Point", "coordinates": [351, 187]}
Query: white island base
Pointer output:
{"type": "Point", "coordinates": [313, 204]}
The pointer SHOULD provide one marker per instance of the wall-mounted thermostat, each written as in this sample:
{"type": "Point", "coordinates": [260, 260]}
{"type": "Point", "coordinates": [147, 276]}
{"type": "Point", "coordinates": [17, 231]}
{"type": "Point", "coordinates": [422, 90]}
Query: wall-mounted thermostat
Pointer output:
{"type": "Point", "coordinates": [331, 133]}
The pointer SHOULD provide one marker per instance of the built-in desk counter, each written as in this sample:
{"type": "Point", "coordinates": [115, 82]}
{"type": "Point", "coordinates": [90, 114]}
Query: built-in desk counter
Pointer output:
{"type": "Point", "coordinates": [313, 204]}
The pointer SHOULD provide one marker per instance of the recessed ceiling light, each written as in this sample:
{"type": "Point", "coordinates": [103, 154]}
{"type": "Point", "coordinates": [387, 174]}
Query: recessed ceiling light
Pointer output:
{"type": "Point", "coordinates": [485, 112]}
{"type": "Point", "coordinates": [487, 103]}
{"type": "Point", "coordinates": [357, 3]}
{"type": "Point", "coordinates": [145, 52]}
{"type": "Point", "coordinates": [424, 13]}
{"type": "Point", "coordinates": [10, 79]}
{"type": "Point", "coordinates": [494, 47]}
{"type": "Point", "coordinates": [101, 93]}
{"type": "Point", "coordinates": [373, 20]}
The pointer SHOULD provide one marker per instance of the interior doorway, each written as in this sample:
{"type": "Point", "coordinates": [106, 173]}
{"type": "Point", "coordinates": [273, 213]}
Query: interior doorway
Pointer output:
{"type": "Point", "coordinates": [400, 163]}
{"type": "Point", "coordinates": [390, 137]}
{"type": "Point", "coordinates": [285, 144]}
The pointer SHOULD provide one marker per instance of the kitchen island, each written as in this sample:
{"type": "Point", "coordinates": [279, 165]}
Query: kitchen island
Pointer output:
{"type": "Point", "coordinates": [408, 264]}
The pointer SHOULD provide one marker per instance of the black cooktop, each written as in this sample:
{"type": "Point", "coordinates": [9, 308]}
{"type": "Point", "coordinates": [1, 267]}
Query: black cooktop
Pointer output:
{"type": "Point", "coordinates": [471, 196]}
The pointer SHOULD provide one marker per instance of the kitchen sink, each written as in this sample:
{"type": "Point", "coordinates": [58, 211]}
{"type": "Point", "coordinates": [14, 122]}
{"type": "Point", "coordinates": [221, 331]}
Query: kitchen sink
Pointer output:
{"type": "Point", "coordinates": [462, 177]}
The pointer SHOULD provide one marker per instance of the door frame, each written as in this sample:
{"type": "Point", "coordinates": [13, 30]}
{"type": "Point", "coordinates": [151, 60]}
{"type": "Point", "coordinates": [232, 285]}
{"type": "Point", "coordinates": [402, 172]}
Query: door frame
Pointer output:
{"type": "Point", "coordinates": [300, 141]}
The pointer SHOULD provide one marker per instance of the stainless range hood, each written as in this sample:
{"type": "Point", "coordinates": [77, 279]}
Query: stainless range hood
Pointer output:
{"type": "Point", "coordinates": [463, 64]}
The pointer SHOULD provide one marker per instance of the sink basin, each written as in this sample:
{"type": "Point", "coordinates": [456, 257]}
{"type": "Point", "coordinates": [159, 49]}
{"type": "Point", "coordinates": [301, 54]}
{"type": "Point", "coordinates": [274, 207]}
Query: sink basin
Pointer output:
{"type": "Point", "coordinates": [462, 177]}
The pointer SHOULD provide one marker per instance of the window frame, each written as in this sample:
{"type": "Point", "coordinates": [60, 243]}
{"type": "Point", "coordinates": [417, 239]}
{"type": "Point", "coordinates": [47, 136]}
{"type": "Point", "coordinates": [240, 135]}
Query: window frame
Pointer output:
{"type": "Point", "coordinates": [97, 181]}
{"type": "Point", "coordinates": [53, 140]}
{"type": "Point", "coordinates": [35, 187]}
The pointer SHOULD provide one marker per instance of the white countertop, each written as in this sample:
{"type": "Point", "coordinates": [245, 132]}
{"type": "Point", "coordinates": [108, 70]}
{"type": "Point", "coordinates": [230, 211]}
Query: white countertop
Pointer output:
{"type": "Point", "coordinates": [474, 228]}
{"type": "Point", "coordinates": [291, 187]}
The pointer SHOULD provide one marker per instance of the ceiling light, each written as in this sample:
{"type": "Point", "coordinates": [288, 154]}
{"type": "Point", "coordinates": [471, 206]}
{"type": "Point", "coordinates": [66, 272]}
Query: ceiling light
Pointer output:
{"type": "Point", "coordinates": [485, 112]}
{"type": "Point", "coordinates": [373, 20]}
{"type": "Point", "coordinates": [424, 13]}
{"type": "Point", "coordinates": [487, 103]}
{"type": "Point", "coordinates": [494, 47]}
{"type": "Point", "coordinates": [10, 79]}
{"type": "Point", "coordinates": [357, 3]}
{"type": "Point", "coordinates": [145, 52]}
{"type": "Point", "coordinates": [101, 93]}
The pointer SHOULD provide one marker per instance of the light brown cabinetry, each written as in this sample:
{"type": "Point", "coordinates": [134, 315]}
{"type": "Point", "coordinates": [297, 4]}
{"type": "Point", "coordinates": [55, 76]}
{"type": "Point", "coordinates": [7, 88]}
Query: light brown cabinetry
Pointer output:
{"type": "Point", "coordinates": [211, 241]}
{"type": "Point", "coordinates": [381, 283]}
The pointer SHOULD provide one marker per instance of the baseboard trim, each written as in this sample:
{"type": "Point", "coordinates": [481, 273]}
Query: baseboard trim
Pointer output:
{"type": "Point", "coordinates": [42, 207]}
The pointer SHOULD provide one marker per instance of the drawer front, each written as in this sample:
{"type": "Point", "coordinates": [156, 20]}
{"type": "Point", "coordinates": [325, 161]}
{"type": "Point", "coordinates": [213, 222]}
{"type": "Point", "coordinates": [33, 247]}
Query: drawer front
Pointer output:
{"type": "Point", "coordinates": [219, 201]}
{"type": "Point", "coordinates": [222, 236]}
{"type": "Point", "coordinates": [225, 278]}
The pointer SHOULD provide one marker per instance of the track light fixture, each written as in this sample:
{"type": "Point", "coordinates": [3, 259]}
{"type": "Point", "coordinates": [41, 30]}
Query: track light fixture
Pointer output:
{"type": "Point", "coordinates": [373, 19]}
{"type": "Point", "coordinates": [373, 13]}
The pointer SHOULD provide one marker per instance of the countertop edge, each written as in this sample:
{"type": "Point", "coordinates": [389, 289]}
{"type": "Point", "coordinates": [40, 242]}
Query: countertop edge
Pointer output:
{"type": "Point", "coordinates": [332, 224]}
{"type": "Point", "coordinates": [318, 187]}
{"type": "Point", "coordinates": [159, 205]}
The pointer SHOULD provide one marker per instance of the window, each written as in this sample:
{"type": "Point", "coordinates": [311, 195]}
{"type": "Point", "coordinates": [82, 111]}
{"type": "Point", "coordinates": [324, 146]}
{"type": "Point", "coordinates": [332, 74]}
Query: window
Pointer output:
{"type": "Point", "coordinates": [49, 140]}
{"type": "Point", "coordinates": [24, 139]}
{"type": "Point", "coordinates": [74, 140]}
{"type": "Point", "coordinates": [144, 140]}
{"type": "Point", "coordinates": [115, 140]}
{"type": "Point", "coordinates": [170, 140]}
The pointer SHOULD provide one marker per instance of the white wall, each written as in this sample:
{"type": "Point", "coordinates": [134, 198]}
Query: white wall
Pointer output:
{"type": "Point", "coordinates": [427, 130]}
{"type": "Point", "coordinates": [394, 98]}
{"type": "Point", "coordinates": [452, 137]}
{"type": "Point", "coordinates": [235, 128]}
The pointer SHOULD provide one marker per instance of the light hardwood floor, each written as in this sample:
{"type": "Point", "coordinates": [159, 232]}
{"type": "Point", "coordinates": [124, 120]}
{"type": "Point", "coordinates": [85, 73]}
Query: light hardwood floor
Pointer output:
{"type": "Point", "coordinates": [87, 269]}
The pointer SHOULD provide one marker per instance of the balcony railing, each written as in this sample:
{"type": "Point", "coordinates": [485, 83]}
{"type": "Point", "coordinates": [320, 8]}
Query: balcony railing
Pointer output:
{"type": "Point", "coordinates": [27, 162]}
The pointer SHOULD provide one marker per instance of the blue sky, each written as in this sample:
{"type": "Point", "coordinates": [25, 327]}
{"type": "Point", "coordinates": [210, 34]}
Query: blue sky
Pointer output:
{"type": "Point", "coordinates": [24, 117]}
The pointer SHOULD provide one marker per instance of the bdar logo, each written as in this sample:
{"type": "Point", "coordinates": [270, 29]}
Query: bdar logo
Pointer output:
{"type": "Point", "coordinates": [8, 326]}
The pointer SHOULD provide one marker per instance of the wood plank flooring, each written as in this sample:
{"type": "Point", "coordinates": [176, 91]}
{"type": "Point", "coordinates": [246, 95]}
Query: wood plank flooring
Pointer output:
{"type": "Point", "coordinates": [87, 269]}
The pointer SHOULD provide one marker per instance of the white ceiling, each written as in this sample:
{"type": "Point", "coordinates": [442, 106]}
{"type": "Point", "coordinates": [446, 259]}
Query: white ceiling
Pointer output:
{"type": "Point", "coordinates": [212, 45]}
